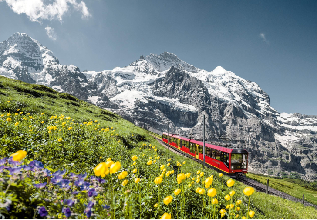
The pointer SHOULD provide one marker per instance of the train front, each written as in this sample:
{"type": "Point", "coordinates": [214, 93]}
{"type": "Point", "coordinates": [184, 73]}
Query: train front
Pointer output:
{"type": "Point", "coordinates": [238, 161]}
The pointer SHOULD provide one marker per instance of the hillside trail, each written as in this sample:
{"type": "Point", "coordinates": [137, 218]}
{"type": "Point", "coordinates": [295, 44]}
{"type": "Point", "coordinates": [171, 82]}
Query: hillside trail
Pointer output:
{"type": "Point", "coordinates": [245, 180]}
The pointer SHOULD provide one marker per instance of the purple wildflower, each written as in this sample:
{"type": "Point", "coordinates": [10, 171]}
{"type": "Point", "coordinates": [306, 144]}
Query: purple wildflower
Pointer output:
{"type": "Point", "coordinates": [90, 204]}
{"type": "Point", "coordinates": [64, 183]}
{"type": "Point", "coordinates": [59, 173]}
{"type": "Point", "coordinates": [14, 170]}
{"type": "Point", "coordinates": [47, 172]}
{"type": "Point", "coordinates": [9, 208]}
{"type": "Point", "coordinates": [79, 182]}
{"type": "Point", "coordinates": [106, 207]}
{"type": "Point", "coordinates": [101, 180]}
{"type": "Point", "coordinates": [75, 192]}
{"type": "Point", "coordinates": [88, 213]}
{"type": "Point", "coordinates": [42, 211]}
{"type": "Point", "coordinates": [92, 192]}
{"type": "Point", "coordinates": [56, 179]}
{"type": "Point", "coordinates": [67, 212]}
{"type": "Point", "coordinates": [82, 176]}
{"type": "Point", "coordinates": [36, 163]}
{"type": "Point", "coordinates": [3, 161]}
{"type": "Point", "coordinates": [14, 163]}
{"type": "Point", "coordinates": [72, 176]}
{"type": "Point", "coordinates": [84, 186]}
{"type": "Point", "coordinates": [40, 185]}
{"type": "Point", "coordinates": [25, 168]}
{"type": "Point", "coordinates": [2, 167]}
{"type": "Point", "coordinates": [69, 202]}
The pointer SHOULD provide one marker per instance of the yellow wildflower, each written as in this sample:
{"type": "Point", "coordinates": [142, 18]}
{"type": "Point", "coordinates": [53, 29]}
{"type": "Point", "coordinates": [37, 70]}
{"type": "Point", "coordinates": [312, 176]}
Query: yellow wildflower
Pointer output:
{"type": "Point", "coordinates": [212, 192]}
{"type": "Point", "coordinates": [125, 182]}
{"type": "Point", "coordinates": [122, 175]}
{"type": "Point", "coordinates": [238, 202]}
{"type": "Point", "coordinates": [248, 191]}
{"type": "Point", "coordinates": [115, 167]}
{"type": "Point", "coordinates": [227, 197]}
{"type": "Point", "coordinates": [158, 180]}
{"type": "Point", "coordinates": [177, 191]}
{"type": "Point", "coordinates": [251, 213]}
{"type": "Point", "coordinates": [166, 216]}
{"type": "Point", "coordinates": [214, 201]}
{"type": "Point", "coordinates": [19, 155]}
{"type": "Point", "coordinates": [232, 193]}
{"type": "Point", "coordinates": [230, 182]}
{"type": "Point", "coordinates": [168, 200]}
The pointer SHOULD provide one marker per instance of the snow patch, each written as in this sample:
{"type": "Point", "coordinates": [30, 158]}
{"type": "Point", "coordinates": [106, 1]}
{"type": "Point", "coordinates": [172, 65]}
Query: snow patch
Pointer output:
{"type": "Point", "coordinates": [174, 103]}
{"type": "Point", "coordinates": [93, 99]}
{"type": "Point", "coordinates": [58, 88]}
{"type": "Point", "coordinates": [11, 63]}
{"type": "Point", "coordinates": [128, 98]}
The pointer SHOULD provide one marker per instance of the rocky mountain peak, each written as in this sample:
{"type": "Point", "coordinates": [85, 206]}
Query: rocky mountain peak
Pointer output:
{"type": "Point", "coordinates": [20, 50]}
{"type": "Point", "coordinates": [155, 64]}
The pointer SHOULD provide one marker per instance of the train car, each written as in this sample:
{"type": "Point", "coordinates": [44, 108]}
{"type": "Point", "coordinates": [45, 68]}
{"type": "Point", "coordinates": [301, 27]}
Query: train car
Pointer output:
{"type": "Point", "coordinates": [227, 160]}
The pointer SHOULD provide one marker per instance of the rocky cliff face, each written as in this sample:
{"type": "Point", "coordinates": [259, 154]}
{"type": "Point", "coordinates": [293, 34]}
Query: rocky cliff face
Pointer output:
{"type": "Point", "coordinates": [160, 90]}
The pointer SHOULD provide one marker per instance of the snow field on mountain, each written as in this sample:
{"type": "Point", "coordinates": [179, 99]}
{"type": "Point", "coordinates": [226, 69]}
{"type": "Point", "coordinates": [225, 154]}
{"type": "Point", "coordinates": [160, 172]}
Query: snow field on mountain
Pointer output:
{"type": "Point", "coordinates": [127, 98]}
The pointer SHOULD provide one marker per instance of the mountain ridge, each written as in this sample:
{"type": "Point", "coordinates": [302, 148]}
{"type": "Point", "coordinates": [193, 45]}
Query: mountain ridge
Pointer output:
{"type": "Point", "coordinates": [157, 90]}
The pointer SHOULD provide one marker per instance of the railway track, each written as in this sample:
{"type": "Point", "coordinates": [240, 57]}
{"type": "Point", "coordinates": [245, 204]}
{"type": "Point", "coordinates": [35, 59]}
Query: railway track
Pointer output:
{"type": "Point", "coordinates": [243, 179]}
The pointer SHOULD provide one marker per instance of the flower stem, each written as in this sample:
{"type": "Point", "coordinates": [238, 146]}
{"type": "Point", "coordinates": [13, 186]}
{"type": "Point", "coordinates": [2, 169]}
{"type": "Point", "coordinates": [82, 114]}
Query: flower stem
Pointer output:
{"type": "Point", "coordinates": [112, 194]}
{"type": "Point", "coordinates": [183, 204]}
{"type": "Point", "coordinates": [214, 211]}
{"type": "Point", "coordinates": [7, 188]}
{"type": "Point", "coordinates": [248, 207]}
{"type": "Point", "coordinates": [159, 199]}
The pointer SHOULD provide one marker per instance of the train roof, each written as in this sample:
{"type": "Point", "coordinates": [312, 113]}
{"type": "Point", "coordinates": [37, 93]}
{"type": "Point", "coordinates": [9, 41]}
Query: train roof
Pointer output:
{"type": "Point", "coordinates": [224, 149]}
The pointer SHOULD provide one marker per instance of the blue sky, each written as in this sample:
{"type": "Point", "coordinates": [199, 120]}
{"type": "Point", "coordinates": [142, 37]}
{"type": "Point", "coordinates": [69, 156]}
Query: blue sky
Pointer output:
{"type": "Point", "coordinates": [273, 42]}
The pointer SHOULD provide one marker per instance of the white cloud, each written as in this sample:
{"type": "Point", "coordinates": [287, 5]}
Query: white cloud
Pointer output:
{"type": "Point", "coordinates": [51, 33]}
{"type": "Point", "coordinates": [262, 35]}
{"type": "Point", "coordinates": [38, 10]}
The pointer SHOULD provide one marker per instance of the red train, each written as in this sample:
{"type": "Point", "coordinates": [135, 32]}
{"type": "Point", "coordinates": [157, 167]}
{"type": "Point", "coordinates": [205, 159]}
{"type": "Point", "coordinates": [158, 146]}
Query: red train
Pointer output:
{"type": "Point", "coordinates": [230, 161]}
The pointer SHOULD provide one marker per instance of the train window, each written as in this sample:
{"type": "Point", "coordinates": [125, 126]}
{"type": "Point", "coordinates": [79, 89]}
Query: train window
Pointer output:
{"type": "Point", "coordinates": [208, 151]}
{"type": "Point", "coordinates": [187, 144]}
{"type": "Point", "coordinates": [218, 155]}
{"type": "Point", "coordinates": [200, 149]}
{"type": "Point", "coordinates": [193, 147]}
{"type": "Point", "coordinates": [225, 158]}
{"type": "Point", "coordinates": [239, 161]}
{"type": "Point", "coordinates": [213, 154]}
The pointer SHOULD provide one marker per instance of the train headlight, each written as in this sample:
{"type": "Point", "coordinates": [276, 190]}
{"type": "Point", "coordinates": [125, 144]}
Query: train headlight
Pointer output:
{"type": "Point", "coordinates": [232, 167]}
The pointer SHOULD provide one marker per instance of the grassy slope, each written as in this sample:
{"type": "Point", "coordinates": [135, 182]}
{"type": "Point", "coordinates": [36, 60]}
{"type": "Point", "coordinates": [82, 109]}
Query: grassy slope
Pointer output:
{"type": "Point", "coordinates": [288, 187]}
{"type": "Point", "coordinates": [37, 99]}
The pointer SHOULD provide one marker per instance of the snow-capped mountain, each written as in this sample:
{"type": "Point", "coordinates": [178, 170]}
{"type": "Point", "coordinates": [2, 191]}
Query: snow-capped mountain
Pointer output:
{"type": "Point", "coordinates": [160, 90]}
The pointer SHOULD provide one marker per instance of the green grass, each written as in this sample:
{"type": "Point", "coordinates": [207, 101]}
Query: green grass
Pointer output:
{"type": "Point", "coordinates": [288, 186]}
{"type": "Point", "coordinates": [84, 146]}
